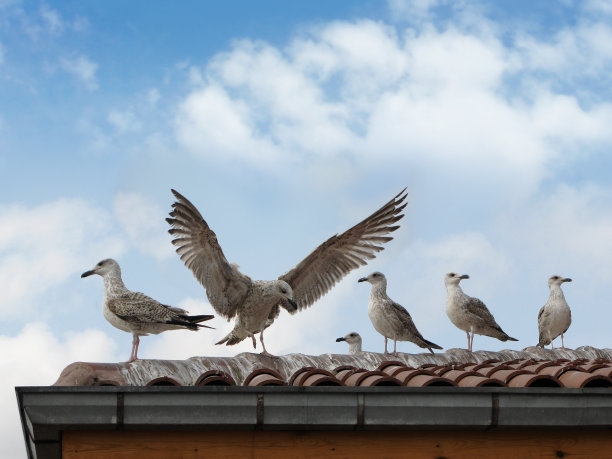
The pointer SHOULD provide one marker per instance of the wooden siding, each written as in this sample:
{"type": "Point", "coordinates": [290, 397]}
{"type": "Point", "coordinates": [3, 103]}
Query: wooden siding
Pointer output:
{"type": "Point", "coordinates": [317, 444]}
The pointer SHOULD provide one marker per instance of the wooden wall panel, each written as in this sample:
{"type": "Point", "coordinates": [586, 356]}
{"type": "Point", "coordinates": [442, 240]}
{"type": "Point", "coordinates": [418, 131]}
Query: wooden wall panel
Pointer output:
{"type": "Point", "coordinates": [315, 444]}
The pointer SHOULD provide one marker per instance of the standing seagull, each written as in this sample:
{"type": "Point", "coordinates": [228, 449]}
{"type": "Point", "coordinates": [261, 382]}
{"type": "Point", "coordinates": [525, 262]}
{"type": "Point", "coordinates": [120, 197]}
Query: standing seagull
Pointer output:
{"type": "Point", "coordinates": [354, 341]}
{"type": "Point", "coordinates": [135, 312]}
{"type": "Point", "coordinates": [470, 314]}
{"type": "Point", "coordinates": [391, 319]}
{"type": "Point", "coordinates": [555, 316]}
{"type": "Point", "coordinates": [255, 304]}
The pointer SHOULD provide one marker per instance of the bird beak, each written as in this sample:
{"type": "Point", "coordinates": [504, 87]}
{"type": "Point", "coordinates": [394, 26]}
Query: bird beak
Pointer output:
{"type": "Point", "coordinates": [87, 273]}
{"type": "Point", "coordinates": [340, 339]}
{"type": "Point", "coordinates": [567, 279]}
{"type": "Point", "coordinates": [293, 303]}
{"type": "Point", "coordinates": [464, 276]}
{"type": "Point", "coordinates": [363, 279]}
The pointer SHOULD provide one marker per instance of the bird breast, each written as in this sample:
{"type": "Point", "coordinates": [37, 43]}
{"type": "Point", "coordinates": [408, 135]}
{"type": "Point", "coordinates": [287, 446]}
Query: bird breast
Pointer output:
{"type": "Point", "coordinates": [115, 321]}
{"type": "Point", "coordinates": [455, 309]}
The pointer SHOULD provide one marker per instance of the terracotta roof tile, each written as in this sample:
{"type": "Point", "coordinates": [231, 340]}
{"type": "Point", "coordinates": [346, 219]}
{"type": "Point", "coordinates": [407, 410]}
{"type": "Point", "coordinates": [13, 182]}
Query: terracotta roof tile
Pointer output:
{"type": "Point", "coordinates": [215, 378]}
{"type": "Point", "coordinates": [264, 377]}
{"type": "Point", "coordinates": [532, 367]}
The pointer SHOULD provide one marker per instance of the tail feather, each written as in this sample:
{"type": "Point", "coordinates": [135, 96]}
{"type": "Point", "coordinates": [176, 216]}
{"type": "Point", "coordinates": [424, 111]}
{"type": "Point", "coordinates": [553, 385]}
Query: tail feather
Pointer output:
{"type": "Point", "coordinates": [198, 319]}
{"type": "Point", "coordinates": [429, 345]}
{"type": "Point", "coordinates": [497, 332]}
{"type": "Point", "coordinates": [230, 340]}
{"type": "Point", "coordinates": [191, 322]}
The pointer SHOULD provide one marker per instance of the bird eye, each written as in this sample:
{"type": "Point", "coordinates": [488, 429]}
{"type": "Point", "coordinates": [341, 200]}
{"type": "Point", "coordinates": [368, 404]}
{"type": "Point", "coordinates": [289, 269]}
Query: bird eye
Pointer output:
{"type": "Point", "coordinates": [99, 264]}
{"type": "Point", "coordinates": [375, 274]}
{"type": "Point", "coordinates": [555, 277]}
{"type": "Point", "coordinates": [283, 291]}
{"type": "Point", "coordinates": [451, 274]}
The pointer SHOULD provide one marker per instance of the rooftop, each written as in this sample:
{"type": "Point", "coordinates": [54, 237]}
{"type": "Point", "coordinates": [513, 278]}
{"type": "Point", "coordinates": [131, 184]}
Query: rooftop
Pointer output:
{"type": "Point", "coordinates": [532, 367]}
{"type": "Point", "coordinates": [457, 389]}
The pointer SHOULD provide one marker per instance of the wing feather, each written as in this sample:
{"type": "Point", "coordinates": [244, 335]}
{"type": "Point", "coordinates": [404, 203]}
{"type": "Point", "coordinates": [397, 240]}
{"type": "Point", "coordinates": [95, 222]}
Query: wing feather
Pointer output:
{"type": "Point", "coordinates": [326, 265]}
{"type": "Point", "coordinates": [197, 245]}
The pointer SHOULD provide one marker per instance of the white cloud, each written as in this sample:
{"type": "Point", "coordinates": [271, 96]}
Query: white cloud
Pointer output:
{"type": "Point", "coordinates": [124, 121]}
{"type": "Point", "coordinates": [210, 124]}
{"type": "Point", "coordinates": [152, 96]}
{"type": "Point", "coordinates": [83, 68]}
{"type": "Point", "coordinates": [143, 221]}
{"type": "Point", "coordinates": [43, 246]}
{"type": "Point", "coordinates": [53, 22]}
{"type": "Point", "coordinates": [36, 358]}
{"type": "Point", "coordinates": [567, 230]}
{"type": "Point", "coordinates": [437, 97]}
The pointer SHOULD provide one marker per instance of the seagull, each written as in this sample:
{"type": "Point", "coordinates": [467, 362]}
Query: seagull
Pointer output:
{"type": "Point", "coordinates": [354, 341]}
{"type": "Point", "coordinates": [391, 319]}
{"type": "Point", "coordinates": [470, 314]}
{"type": "Point", "coordinates": [135, 312]}
{"type": "Point", "coordinates": [255, 304]}
{"type": "Point", "coordinates": [555, 316]}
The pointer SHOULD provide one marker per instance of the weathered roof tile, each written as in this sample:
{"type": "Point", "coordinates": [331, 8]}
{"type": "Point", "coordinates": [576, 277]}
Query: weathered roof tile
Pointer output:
{"type": "Point", "coordinates": [532, 367]}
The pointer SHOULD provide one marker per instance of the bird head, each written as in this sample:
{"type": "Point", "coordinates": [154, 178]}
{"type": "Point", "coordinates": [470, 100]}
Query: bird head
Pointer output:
{"type": "Point", "coordinates": [375, 278]}
{"type": "Point", "coordinates": [285, 293]}
{"type": "Point", "coordinates": [453, 278]}
{"type": "Point", "coordinates": [557, 280]}
{"type": "Point", "coordinates": [352, 337]}
{"type": "Point", "coordinates": [103, 267]}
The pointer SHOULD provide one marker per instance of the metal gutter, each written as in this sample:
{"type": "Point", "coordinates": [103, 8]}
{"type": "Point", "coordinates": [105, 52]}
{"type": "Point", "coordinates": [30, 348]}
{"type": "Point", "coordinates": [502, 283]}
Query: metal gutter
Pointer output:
{"type": "Point", "coordinates": [48, 411]}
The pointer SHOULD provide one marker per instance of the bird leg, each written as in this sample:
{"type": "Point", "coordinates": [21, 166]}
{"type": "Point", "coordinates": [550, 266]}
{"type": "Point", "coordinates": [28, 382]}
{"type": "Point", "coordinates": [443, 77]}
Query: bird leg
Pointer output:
{"type": "Point", "coordinates": [135, 343]}
{"type": "Point", "coordinates": [254, 341]}
{"type": "Point", "coordinates": [472, 342]}
{"type": "Point", "coordinates": [562, 344]}
{"type": "Point", "coordinates": [552, 345]}
{"type": "Point", "coordinates": [386, 345]}
{"type": "Point", "coordinates": [395, 347]}
{"type": "Point", "coordinates": [264, 352]}
{"type": "Point", "coordinates": [468, 337]}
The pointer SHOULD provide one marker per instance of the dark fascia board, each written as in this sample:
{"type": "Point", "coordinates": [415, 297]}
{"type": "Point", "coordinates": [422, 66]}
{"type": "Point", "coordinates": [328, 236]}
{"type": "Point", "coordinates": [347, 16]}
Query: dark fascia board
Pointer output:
{"type": "Point", "coordinates": [47, 411]}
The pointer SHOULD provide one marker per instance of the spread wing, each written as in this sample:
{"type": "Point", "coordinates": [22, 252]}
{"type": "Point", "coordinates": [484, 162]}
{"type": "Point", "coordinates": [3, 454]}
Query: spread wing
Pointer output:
{"type": "Point", "coordinates": [316, 274]}
{"type": "Point", "coordinates": [197, 245]}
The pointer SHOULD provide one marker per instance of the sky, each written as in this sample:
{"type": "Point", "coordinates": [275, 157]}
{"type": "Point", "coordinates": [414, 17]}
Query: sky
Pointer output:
{"type": "Point", "coordinates": [286, 123]}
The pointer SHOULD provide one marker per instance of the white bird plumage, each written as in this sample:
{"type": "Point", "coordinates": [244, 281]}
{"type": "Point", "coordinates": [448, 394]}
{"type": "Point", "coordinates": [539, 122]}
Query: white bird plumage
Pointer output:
{"type": "Point", "coordinates": [135, 312]}
{"type": "Point", "coordinates": [353, 339]}
{"type": "Point", "coordinates": [391, 319]}
{"type": "Point", "coordinates": [470, 314]}
{"type": "Point", "coordinates": [255, 304]}
{"type": "Point", "coordinates": [555, 316]}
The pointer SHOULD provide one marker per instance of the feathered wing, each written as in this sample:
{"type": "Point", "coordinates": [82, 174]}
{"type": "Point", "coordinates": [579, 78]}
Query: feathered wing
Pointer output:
{"type": "Point", "coordinates": [316, 274]}
{"type": "Point", "coordinates": [137, 307]}
{"type": "Point", "coordinates": [408, 324]}
{"type": "Point", "coordinates": [543, 317]}
{"type": "Point", "coordinates": [226, 287]}
{"type": "Point", "coordinates": [481, 313]}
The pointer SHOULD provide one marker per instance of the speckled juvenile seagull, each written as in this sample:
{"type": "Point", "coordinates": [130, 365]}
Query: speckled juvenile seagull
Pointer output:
{"type": "Point", "coordinates": [555, 316]}
{"type": "Point", "coordinates": [470, 314]}
{"type": "Point", "coordinates": [391, 319]}
{"type": "Point", "coordinates": [354, 341]}
{"type": "Point", "coordinates": [255, 304]}
{"type": "Point", "coordinates": [135, 312]}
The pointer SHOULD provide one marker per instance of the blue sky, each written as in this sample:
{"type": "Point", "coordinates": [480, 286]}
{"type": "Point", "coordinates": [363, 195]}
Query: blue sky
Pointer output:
{"type": "Point", "coordinates": [285, 123]}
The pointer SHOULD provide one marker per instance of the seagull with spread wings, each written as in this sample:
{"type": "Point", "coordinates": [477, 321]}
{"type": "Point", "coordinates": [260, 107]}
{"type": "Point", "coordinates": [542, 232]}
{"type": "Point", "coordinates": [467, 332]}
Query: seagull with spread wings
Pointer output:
{"type": "Point", "coordinates": [256, 304]}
